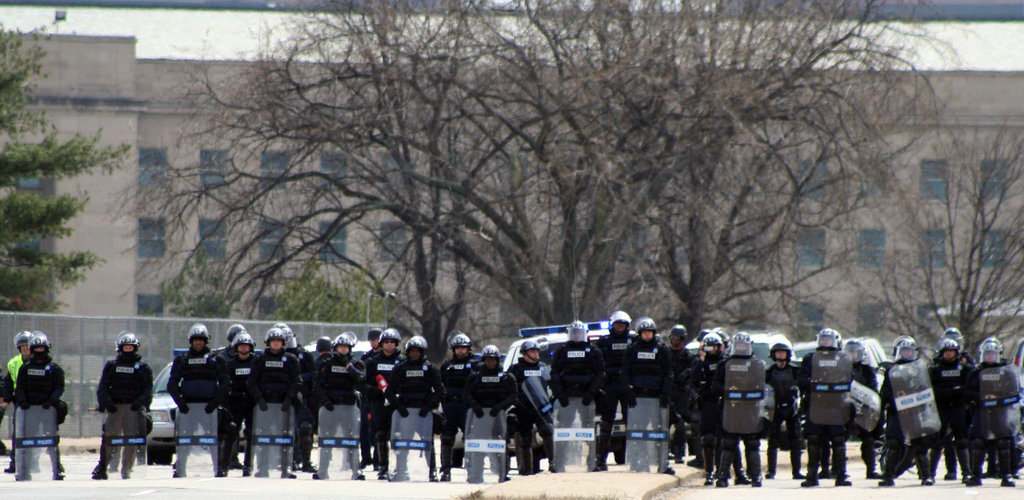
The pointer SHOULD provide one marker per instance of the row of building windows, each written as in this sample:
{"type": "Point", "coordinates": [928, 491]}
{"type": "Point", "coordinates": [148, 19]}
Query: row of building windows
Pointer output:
{"type": "Point", "coordinates": [213, 165]}
{"type": "Point", "coordinates": [811, 248]}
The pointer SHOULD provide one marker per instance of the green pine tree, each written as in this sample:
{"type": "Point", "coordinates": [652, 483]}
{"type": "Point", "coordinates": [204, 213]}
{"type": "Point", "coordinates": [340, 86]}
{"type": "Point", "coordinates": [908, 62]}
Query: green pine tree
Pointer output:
{"type": "Point", "coordinates": [30, 276]}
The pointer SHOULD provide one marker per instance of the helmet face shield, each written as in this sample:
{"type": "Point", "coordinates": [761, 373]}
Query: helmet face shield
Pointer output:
{"type": "Point", "coordinates": [577, 332]}
{"type": "Point", "coordinates": [908, 353]}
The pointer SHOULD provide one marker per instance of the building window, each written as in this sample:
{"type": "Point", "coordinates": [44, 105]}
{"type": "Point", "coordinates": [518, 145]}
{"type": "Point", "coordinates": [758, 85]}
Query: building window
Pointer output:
{"type": "Point", "coordinates": [993, 248]}
{"type": "Point", "coordinates": [152, 167]}
{"type": "Point", "coordinates": [817, 180]}
{"type": "Point", "coordinates": [334, 249]}
{"type": "Point", "coordinates": [212, 238]}
{"type": "Point", "coordinates": [870, 318]}
{"type": "Point", "coordinates": [811, 247]}
{"type": "Point", "coordinates": [333, 164]}
{"type": "Point", "coordinates": [871, 248]}
{"type": "Point", "coordinates": [266, 306]}
{"type": "Point", "coordinates": [151, 238]}
{"type": "Point", "coordinates": [933, 179]}
{"type": "Point", "coordinates": [393, 239]}
{"type": "Point", "coordinates": [934, 254]}
{"type": "Point", "coordinates": [272, 242]}
{"type": "Point", "coordinates": [212, 165]}
{"type": "Point", "coordinates": [993, 178]}
{"type": "Point", "coordinates": [30, 183]}
{"type": "Point", "coordinates": [813, 316]}
{"type": "Point", "coordinates": [149, 305]}
{"type": "Point", "coordinates": [273, 165]}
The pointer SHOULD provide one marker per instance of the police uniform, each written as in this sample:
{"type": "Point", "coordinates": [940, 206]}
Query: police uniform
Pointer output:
{"type": "Point", "coordinates": [864, 374]}
{"type": "Point", "coordinates": [614, 391]}
{"type": "Point", "coordinates": [784, 382]}
{"type": "Point", "coordinates": [198, 377]}
{"type": "Point", "coordinates": [949, 381]}
{"type": "Point", "coordinates": [682, 362]}
{"type": "Point", "coordinates": [379, 370]}
{"type": "Point", "coordinates": [702, 377]}
{"type": "Point", "coordinates": [40, 382]}
{"type": "Point", "coordinates": [125, 379]}
{"type": "Point", "coordinates": [416, 385]}
{"type": "Point", "coordinates": [305, 421]}
{"type": "Point", "coordinates": [454, 374]}
{"type": "Point", "coordinates": [240, 405]}
{"type": "Point", "coordinates": [527, 416]}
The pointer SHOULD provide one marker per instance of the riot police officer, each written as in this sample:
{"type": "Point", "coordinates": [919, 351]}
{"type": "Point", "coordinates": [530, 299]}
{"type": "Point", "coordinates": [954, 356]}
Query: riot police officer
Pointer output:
{"type": "Point", "coordinates": [379, 370]}
{"type": "Point", "coordinates": [324, 345]}
{"type": "Point", "coordinates": [532, 409]}
{"type": "Point", "coordinates": [197, 376]}
{"type": "Point", "coordinates": [40, 382]}
{"type": "Point", "coordinates": [125, 379]}
{"type": "Point", "coordinates": [864, 374]}
{"type": "Point", "coordinates": [702, 377]}
{"type": "Point", "coordinates": [898, 456]}
{"type": "Point", "coordinates": [782, 376]}
{"type": "Point", "coordinates": [825, 376]}
{"type": "Point", "coordinates": [305, 421]}
{"type": "Point", "coordinates": [949, 372]}
{"type": "Point", "coordinates": [228, 351]}
{"type": "Point", "coordinates": [613, 349]}
{"type": "Point", "coordinates": [367, 450]}
{"type": "Point", "coordinates": [993, 393]}
{"type": "Point", "coordinates": [647, 370]}
{"type": "Point", "coordinates": [240, 403]}
{"type": "Point", "coordinates": [489, 388]}
{"type": "Point", "coordinates": [682, 361]}
{"type": "Point", "coordinates": [454, 374]}
{"type": "Point", "coordinates": [416, 385]}
{"type": "Point", "coordinates": [9, 382]}
{"type": "Point", "coordinates": [339, 378]}
{"type": "Point", "coordinates": [275, 376]}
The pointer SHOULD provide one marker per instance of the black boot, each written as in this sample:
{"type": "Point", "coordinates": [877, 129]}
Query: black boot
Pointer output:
{"type": "Point", "coordinates": [963, 457]}
{"type": "Point", "coordinates": [524, 459]}
{"type": "Point", "coordinates": [709, 464]}
{"type": "Point", "coordinates": [753, 455]}
{"type": "Point", "coordinates": [726, 457]}
{"type": "Point", "coordinates": [867, 452]}
{"type": "Point", "coordinates": [446, 460]}
{"type": "Point", "coordinates": [925, 467]}
{"type": "Point", "coordinates": [773, 458]}
{"type": "Point", "coordinates": [382, 456]}
{"type": "Point", "coordinates": [100, 472]}
{"type": "Point", "coordinates": [813, 462]}
{"type": "Point", "coordinates": [603, 444]}
{"type": "Point", "coordinates": [1005, 466]}
{"type": "Point", "coordinates": [737, 467]}
{"type": "Point", "coordinates": [839, 464]}
{"type": "Point", "coordinates": [795, 459]}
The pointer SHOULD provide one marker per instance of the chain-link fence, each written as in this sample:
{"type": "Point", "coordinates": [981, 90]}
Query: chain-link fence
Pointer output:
{"type": "Point", "coordinates": [82, 344]}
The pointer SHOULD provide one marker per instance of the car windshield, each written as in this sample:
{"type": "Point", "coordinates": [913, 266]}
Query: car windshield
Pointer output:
{"type": "Point", "coordinates": [160, 384]}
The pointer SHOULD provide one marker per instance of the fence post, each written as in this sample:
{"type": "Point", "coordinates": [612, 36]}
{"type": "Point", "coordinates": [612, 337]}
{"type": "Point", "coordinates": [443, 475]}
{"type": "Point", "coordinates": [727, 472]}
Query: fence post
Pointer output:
{"type": "Point", "coordinates": [81, 377]}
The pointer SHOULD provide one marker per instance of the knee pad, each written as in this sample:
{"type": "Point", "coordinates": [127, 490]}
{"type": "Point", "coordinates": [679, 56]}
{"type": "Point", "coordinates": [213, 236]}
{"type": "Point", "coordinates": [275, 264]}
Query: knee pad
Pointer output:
{"type": "Point", "coordinates": [707, 440]}
{"type": "Point", "coordinates": [751, 443]}
{"type": "Point", "coordinates": [380, 436]}
{"type": "Point", "coordinates": [1003, 444]}
{"type": "Point", "coordinates": [524, 440]}
{"type": "Point", "coordinates": [837, 441]}
{"type": "Point", "coordinates": [447, 440]}
{"type": "Point", "coordinates": [813, 441]}
{"type": "Point", "coordinates": [306, 428]}
{"type": "Point", "coordinates": [729, 442]}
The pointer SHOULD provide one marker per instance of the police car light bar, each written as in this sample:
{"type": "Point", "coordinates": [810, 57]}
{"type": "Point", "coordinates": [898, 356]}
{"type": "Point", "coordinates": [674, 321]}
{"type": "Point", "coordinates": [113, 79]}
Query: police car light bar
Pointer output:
{"type": "Point", "coordinates": [541, 330]}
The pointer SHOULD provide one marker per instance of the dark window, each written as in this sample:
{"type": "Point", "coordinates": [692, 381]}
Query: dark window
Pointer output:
{"type": "Point", "coordinates": [273, 165]}
{"type": "Point", "coordinates": [266, 307]}
{"type": "Point", "coordinates": [993, 178]}
{"type": "Point", "coordinates": [213, 238]}
{"type": "Point", "coordinates": [334, 249]}
{"type": "Point", "coordinates": [393, 239]}
{"type": "Point", "coordinates": [870, 318]}
{"type": "Point", "coordinates": [871, 248]}
{"type": "Point", "coordinates": [272, 242]}
{"type": "Point", "coordinates": [212, 165]}
{"type": "Point", "coordinates": [934, 254]}
{"type": "Point", "coordinates": [333, 164]}
{"type": "Point", "coordinates": [933, 179]}
{"type": "Point", "coordinates": [817, 180]}
{"type": "Point", "coordinates": [32, 183]}
{"type": "Point", "coordinates": [811, 247]}
{"type": "Point", "coordinates": [152, 167]}
{"type": "Point", "coordinates": [151, 238]}
{"type": "Point", "coordinates": [149, 305]}
{"type": "Point", "coordinates": [813, 316]}
{"type": "Point", "coordinates": [993, 248]}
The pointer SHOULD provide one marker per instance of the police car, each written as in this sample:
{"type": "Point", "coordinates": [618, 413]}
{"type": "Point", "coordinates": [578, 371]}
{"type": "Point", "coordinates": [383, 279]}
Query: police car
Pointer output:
{"type": "Point", "coordinates": [550, 339]}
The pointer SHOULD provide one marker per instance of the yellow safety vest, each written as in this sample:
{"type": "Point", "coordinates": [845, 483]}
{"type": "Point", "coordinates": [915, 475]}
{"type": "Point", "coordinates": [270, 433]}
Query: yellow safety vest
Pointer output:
{"type": "Point", "coordinates": [13, 366]}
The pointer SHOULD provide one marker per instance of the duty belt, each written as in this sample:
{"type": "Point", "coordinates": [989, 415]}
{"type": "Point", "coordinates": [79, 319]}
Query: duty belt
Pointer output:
{"type": "Point", "coordinates": [992, 403]}
{"type": "Point", "coordinates": [739, 395]}
{"type": "Point", "coordinates": [844, 387]}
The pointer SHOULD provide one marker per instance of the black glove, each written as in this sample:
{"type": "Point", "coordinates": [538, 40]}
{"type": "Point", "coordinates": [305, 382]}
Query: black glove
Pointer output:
{"type": "Point", "coordinates": [46, 405]}
{"type": "Point", "coordinates": [111, 408]}
{"type": "Point", "coordinates": [262, 404]}
{"type": "Point", "coordinates": [478, 411]}
{"type": "Point", "coordinates": [630, 399]}
{"type": "Point", "coordinates": [328, 405]}
{"type": "Point", "coordinates": [588, 397]}
{"type": "Point", "coordinates": [424, 411]}
{"type": "Point", "coordinates": [402, 411]}
{"type": "Point", "coordinates": [663, 401]}
{"type": "Point", "coordinates": [183, 407]}
{"type": "Point", "coordinates": [495, 411]}
{"type": "Point", "coordinates": [137, 406]}
{"type": "Point", "coordinates": [211, 407]}
{"type": "Point", "coordinates": [563, 400]}
{"type": "Point", "coordinates": [285, 405]}
{"type": "Point", "coordinates": [24, 405]}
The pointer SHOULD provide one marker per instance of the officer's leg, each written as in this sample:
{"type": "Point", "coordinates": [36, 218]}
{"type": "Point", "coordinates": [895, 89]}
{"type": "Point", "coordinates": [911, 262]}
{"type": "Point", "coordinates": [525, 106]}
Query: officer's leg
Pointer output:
{"type": "Point", "coordinates": [306, 443]}
{"type": "Point", "coordinates": [524, 445]}
{"type": "Point", "coordinates": [796, 445]}
{"type": "Point", "coordinates": [867, 453]}
{"type": "Point", "coordinates": [813, 456]}
{"type": "Point", "coordinates": [228, 434]}
{"type": "Point", "coordinates": [382, 433]}
{"type": "Point", "coordinates": [678, 446]}
{"type": "Point", "coordinates": [10, 468]}
{"type": "Point", "coordinates": [1004, 449]}
{"type": "Point", "coordinates": [752, 450]}
{"type": "Point", "coordinates": [365, 443]}
{"type": "Point", "coordinates": [825, 459]}
{"type": "Point", "coordinates": [608, 405]}
{"type": "Point", "coordinates": [773, 446]}
{"type": "Point", "coordinates": [737, 465]}
{"type": "Point", "coordinates": [729, 444]}
{"type": "Point", "coordinates": [451, 428]}
{"type": "Point", "coordinates": [838, 444]}
{"type": "Point", "coordinates": [100, 472]}
{"type": "Point", "coordinates": [707, 447]}
{"type": "Point", "coordinates": [978, 446]}
{"type": "Point", "coordinates": [247, 460]}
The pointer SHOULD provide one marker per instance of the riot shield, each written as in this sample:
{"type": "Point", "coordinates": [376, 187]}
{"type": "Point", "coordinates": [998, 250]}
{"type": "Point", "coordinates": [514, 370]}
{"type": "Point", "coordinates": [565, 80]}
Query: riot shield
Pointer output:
{"type": "Point", "coordinates": [868, 405]}
{"type": "Point", "coordinates": [574, 437]}
{"type": "Point", "coordinates": [647, 436]}
{"type": "Point", "coordinates": [744, 391]}
{"type": "Point", "coordinates": [767, 409]}
{"type": "Point", "coordinates": [412, 441]}
{"type": "Point", "coordinates": [535, 390]}
{"type": "Point", "coordinates": [831, 376]}
{"type": "Point", "coordinates": [36, 443]}
{"type": "Point", "coordinates": [998, 414]}
{"type": "Point", "coordinates": [272, 440]}
{"type": "Point", "coordinates": [485, 441]}
{"type": "Point", "coordinates": [196, 435]}
{"type": "Point", "coordinates": [339, 442]}
{"type": "Point", "coordinates": [915, 400]}
{"type": "Point", "coordinates": [125, 438]}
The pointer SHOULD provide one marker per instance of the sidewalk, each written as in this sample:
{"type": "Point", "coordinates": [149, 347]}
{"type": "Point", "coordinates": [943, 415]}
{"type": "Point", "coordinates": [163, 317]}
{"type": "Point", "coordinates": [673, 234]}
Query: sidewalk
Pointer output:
{"type": "Point", "coordinates": [615, 484]}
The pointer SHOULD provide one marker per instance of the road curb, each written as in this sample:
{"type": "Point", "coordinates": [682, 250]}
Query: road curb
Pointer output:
{"type": "Point", "coordinates": [617, 484]}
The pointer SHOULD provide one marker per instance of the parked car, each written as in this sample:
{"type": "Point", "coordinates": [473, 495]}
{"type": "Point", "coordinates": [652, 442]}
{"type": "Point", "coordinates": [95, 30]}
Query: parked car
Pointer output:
{"type": "Point", "coordinates": [160, 445]}
{"type": "Point", "coordinates": [763, 342]}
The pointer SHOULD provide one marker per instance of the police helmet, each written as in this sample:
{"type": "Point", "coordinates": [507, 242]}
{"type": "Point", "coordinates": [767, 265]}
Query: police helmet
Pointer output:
{"type": "Point", "coordinates": [198, 331]}
{"type": "Point", "coordinates": [711, 340]}
{"type": "Point", "coordinates": [529, 345]}
{"type": "Point", "coordinates": [243, 338]}
{"type": "Point", "coordinates": [742, 345]}
{"type": "Point", "coordinates": [284, 328]}
{"type": "Point", "coordinates": [577, 331]}
{"type": "Point", "coordinates": [39, 339]}
{"type": "Point", "coordinates": [990, 350]}
{"type": "Point", "coordinates": [417, 342]}
{"type": "Point", "coordinates": [323, 344]}
{"type": "Point", "coordinates": [22, 338]}
{"type": "Point", "coordinates": [828, 339]}
{"type": "Point", "coordinates": [678, 331]}
{"type": "Point", "coordinates": [620, 317]}
{"type": "Point", "coordinates": [646, 323]}
{"type": "Point", "coordinates": [275, 333]}
{"type": "Point", "coordinates": [955, 333]}
{"type": "Point", "coordinates": [947, 344]}
{"type": "Point", "coordinates": [906, 349]}
{"type": "Point", "coordinates": [459, 339]}
{"type": "Point", "coordinates": [779, 346]}
{"type": "Point", "coordinates": [897, 343]}
{"type": "Point", "coordinates": [128, 338]}
{"type": "Point", "coordinates": [346, 338]}
{"type": "Point", "coordinates": [373, 334]}
{"type": "Point", "coordinates": [490, 351]}
{"type": "Point", "coordinates": [856, 350]}
{"type": "Point", "coordinates": [392, 335]}
{"type": "Point", "coordinates": [233, 330]}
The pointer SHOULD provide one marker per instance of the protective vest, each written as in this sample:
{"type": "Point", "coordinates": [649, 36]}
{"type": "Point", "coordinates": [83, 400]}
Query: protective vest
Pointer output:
{"type": "Point", "coordinates": [340, 379]}
{"type": "Point", "coordinates": [577, 366]}
{"type": "Point", "coordinates": [239, 371]}
{"type": "Point", "coordinates": [13, 365]}
{"type": "Point", "coordinates": [613, 348]}
{"type": "Point", "coordinates": [275, 376]}
{"type": "Point", "coordinates": [646, 372]}
{"type": "Point", "coordinates": [379, 370]}
{"type": "Point", "coordinates": [417, 386]}
{"type": "Point", "coordinates": [948, 380]}
{"type": "Point", "coordinates": [125, 378]}
{"type": "Point", "coordinates": [784, 383]}
{"type": "Point", "coordinates": [198, 375]}
{"type": "Point", "coordinates": [40, 380]}
{"type": "Point", "coordinates": [492, 387]}
{"type": "Point", "coordinates": [454, 374]}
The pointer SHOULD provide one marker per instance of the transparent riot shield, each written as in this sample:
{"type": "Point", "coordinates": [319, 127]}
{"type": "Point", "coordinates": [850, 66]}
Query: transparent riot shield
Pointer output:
{"type": "Point", "coordinates": [339, 442]}
{"type": "Point", "coordinates": [868, 405]}
{"type": "Point", "coordinates": [647, 436]}
{"type": "Point", "coordinates": [535, 390]}
{"type": "Point", "coordinates": [272, 440]}
{"type": "Point", "coordinates": [196, 435]}
{"type": "Point", "coordinates": [485, 442]}
{"type": "Point", "coordinates": [412, 442]}
{"type": "Point", "coordinates": [36, 444]}
{"type": "Point", "coordinates": [767, 408]}
{"type": "Point", "coordinates": [744, 391]}
{"type": "Point", "coordinates": [125, 438]}
{"type": "Point", "coordinates": [831, 376]}
{"type": "Point", "coordinates": [998, 413]}
{"type": "Point", "coordinates": [915, 399]}
{"type": "Point", "coordinates": [574, 437]}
